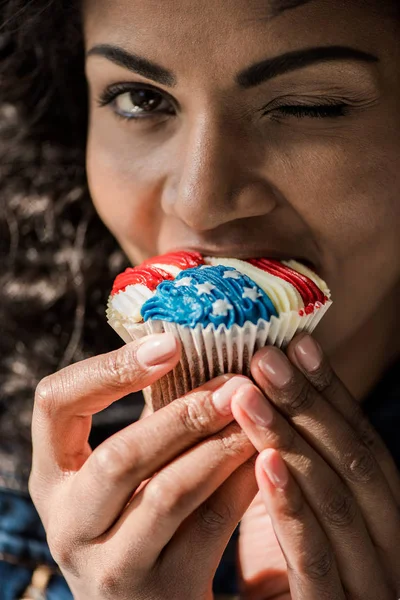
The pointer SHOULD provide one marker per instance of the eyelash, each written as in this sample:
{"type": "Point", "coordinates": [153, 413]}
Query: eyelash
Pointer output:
{"type": "Point", "coordinates": [314, 111]}
{"type": "Point", "coordinates": [111, 93]}
{"type": "Point", "coordinates": [300, 111]}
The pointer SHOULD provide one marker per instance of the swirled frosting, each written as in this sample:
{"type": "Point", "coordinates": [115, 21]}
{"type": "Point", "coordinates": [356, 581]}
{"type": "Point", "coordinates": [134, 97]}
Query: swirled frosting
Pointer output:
{"type": "Point", "coordinates": [217, 295]}
{"type": "Point", "coordinates": [185, 288]}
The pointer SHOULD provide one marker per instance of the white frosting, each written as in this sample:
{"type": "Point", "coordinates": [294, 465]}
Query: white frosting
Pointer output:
{"type": "Point", "coordinates": [283, 294]}
{"type": "Point", "coordinates": [221, 307]}
{"type": "Point", "coordinates": [171, 269]}
{"type": "Point", "coordinates": [204, 288]}
{"type": "Point", "coordinates": [184, 281]}
{"type": "Point", "coordinates": [251, 293]}
{"type": "Point", "coordinates": [129, 302]}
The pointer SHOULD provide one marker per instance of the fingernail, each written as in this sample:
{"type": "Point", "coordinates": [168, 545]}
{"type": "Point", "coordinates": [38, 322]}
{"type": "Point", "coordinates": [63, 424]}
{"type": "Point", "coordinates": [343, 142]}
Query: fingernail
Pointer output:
{"type": "Point", "coordinates": [276, 367]}
{"type": "Point", "coordinates": [222, 397]}
{"type": "Point", "coordinates": [255, 405]}
{"type": "Point", "coordinates": [275, 468]}
{"type": "Point", "coordinates": [156, 350]}
{"type": "Point", "coordinates": [309, 353]}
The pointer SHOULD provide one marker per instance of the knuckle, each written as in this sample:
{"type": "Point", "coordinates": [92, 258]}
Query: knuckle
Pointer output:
{"type": "Point", "coordinates": [45, 395]}
{"type": "Point", "coordinates": [214, 519]}
{"type": "Point", "coordinates": [299, 399]}
{"type": "Point", "coordinates": [121, 367]}
{"type": "Point", "coordinates": [62, 550]}
{"type": "Point", "coordinates": [317, 564]}
{"type": "Point", "coordinates": [162, 497]}
{"type": "Point", "coordinates": [324, 378]}
{"type": "Point", "coordinates": [360, 467]}
{"type": "Point", "coordinates": [32, 482]}
{"type": "Point", "coordinates": [194, 414]}
{"type": "Point", "coordinates": [37, 493]}
{"type": "Point", "coordinates": [109, 584]}
{"type": "Point", "coordinates": [339, 508]}
{"type": "Point", "coordinates": [286, 442]}
{"type": "Point", "coordinates": [233, 441]}
{"type": "Point", "coordinates": [113, 459]}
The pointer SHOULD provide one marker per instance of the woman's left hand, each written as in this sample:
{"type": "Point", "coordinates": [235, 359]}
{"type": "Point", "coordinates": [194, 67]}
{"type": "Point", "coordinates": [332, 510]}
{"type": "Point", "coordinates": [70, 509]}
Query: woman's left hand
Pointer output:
{"type": "Point", "coordinates": [328, 483]}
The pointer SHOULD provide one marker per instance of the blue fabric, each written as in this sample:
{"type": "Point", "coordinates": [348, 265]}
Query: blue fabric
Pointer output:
{"type": "Point", "coordinates": [15, 579]}
{"type": "Point", "coordinates": [217, 295]}
{"type": "Point", "coordinates": [23, 547]}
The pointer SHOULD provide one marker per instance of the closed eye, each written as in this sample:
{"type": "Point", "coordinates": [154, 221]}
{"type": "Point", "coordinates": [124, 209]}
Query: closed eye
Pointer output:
{"type": "Point", "coordinates": [301, 111]}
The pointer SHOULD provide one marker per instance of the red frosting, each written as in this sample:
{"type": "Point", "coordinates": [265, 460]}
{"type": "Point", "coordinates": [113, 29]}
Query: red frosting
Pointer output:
{"type": "Point", "coordinates": [310, 293]}
{"type": "Point", "coordinates": [183, 260]}
{"type": "Point", "coordinates": [151, 276]}
{"type": "Point", "coordinates": [148, 276]}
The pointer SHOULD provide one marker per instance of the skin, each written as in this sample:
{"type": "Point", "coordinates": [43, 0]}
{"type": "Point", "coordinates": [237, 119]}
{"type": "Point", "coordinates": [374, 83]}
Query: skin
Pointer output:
{"type": "Point", "coordinates": [217, 177]}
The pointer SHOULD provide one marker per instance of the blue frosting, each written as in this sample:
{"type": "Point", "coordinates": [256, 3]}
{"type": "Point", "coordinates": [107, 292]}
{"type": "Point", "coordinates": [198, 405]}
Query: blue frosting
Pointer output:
{"type": "Point", "coordinates": [209, 295]}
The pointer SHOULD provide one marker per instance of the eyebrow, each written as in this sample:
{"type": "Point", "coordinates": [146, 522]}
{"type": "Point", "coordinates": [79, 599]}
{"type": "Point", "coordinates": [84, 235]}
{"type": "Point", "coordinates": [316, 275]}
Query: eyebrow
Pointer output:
{"type": "Point", "coordinates": [248, 78]}
{"type": "Point", "coordinates": [291, 61]}
{"type": "Point", "coordinates": [134, 63]}
{"type": "Point", "coordinates": [277, 7]}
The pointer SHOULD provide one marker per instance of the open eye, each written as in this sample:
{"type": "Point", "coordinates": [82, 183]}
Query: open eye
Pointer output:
{"type": "Point", "coordinates": [136, 103]}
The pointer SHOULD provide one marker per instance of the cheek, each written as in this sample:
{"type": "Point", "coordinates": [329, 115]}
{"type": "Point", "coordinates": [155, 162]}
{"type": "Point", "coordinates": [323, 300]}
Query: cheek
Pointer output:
{"type": "Point", "coordinates": [350, 202]}
{"type": "Point", "coordinates": [126, 196]}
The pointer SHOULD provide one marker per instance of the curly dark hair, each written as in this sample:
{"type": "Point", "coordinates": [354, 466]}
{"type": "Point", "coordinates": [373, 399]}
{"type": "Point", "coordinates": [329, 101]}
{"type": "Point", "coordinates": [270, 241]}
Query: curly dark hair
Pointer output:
{"type": "Point", "coordinates": [58, 259]}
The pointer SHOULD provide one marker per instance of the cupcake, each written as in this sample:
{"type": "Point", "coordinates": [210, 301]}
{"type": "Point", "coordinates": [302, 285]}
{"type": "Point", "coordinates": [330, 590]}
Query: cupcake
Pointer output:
{"type": "Point", "coordinates": [221, 309]}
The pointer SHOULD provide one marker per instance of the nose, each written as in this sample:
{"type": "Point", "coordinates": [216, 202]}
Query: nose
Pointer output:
{"type": "Point", "coordinates": [215, 180]}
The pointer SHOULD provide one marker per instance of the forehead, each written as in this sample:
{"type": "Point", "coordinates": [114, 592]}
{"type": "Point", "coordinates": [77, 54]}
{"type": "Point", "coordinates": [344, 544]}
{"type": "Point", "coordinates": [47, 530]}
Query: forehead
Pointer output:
{"type": "Point", "coordinates": [140, 17]}
{"type": "Point", "coordinates": [213, 36]}
{"type": "Point", "coordinates": [261, 8]}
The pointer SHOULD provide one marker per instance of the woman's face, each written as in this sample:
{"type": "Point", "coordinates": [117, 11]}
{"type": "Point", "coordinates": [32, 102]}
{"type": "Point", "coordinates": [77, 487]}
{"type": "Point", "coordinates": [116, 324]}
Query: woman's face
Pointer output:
{"type": "Point", "coordinates": [241, 130]}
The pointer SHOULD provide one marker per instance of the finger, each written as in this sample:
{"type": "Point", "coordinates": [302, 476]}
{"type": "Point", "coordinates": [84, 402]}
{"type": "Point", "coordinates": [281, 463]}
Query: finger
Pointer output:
{"type": "Point", "coordinates": [328, 496]}
{"type": "Point", "coordinates": [308, 356]}
{"type": "Point", "coordinates": [66, 401]}
{"type": "Point", "coordinates": [204, 535]}
{"type": "Point", "coordinates": [312, 570]}
{"type": "Point", "coordinates": [338, 443]}
{"type": "Point", "coordinates": [263, 570]}
{"type": "Point", "coordinates": [158, 511]}
{"type": "Point", "coordinates": [95, 497]}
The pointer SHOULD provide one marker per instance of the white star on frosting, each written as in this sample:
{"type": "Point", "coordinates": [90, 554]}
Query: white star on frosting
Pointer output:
{"type": "Point", "coordinates": [183, 281]}
{"type": "Point", "coordinates": [251, 293]}
{"type": "Point", "coordinates": [221, 307]}
{"type": "Point", "coordinates": [232, 275]}
{"type": "Point", "coordinates": [204, 288]}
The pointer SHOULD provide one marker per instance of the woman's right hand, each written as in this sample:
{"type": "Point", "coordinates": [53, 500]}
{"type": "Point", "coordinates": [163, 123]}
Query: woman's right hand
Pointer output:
{"type": "Point", "coordinates": [148, 513]}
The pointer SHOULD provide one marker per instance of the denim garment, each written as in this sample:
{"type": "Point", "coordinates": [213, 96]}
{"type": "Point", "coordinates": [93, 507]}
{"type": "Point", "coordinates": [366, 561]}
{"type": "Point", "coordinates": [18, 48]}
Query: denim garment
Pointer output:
{"type": "Point", "coordinates": [23, 541]}
{"type": "Point", "coordinates": [23, 547]}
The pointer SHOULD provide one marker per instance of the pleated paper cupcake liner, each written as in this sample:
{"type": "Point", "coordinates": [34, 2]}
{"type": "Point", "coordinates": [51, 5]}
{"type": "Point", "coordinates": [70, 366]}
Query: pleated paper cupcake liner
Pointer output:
{"type": "Point", "coordinates": [208, 351]}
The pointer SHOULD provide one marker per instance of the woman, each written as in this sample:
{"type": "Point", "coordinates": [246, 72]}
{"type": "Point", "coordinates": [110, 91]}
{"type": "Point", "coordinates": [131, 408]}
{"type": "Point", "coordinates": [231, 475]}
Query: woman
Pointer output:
{"type": "Point", "coordinates": [233, 128]}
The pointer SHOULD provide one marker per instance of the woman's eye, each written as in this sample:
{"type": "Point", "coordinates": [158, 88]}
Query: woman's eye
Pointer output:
{"type": "Point", "coordinates": [323, 111]}
{"type": "Point", "coordinates": [136, 103]}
